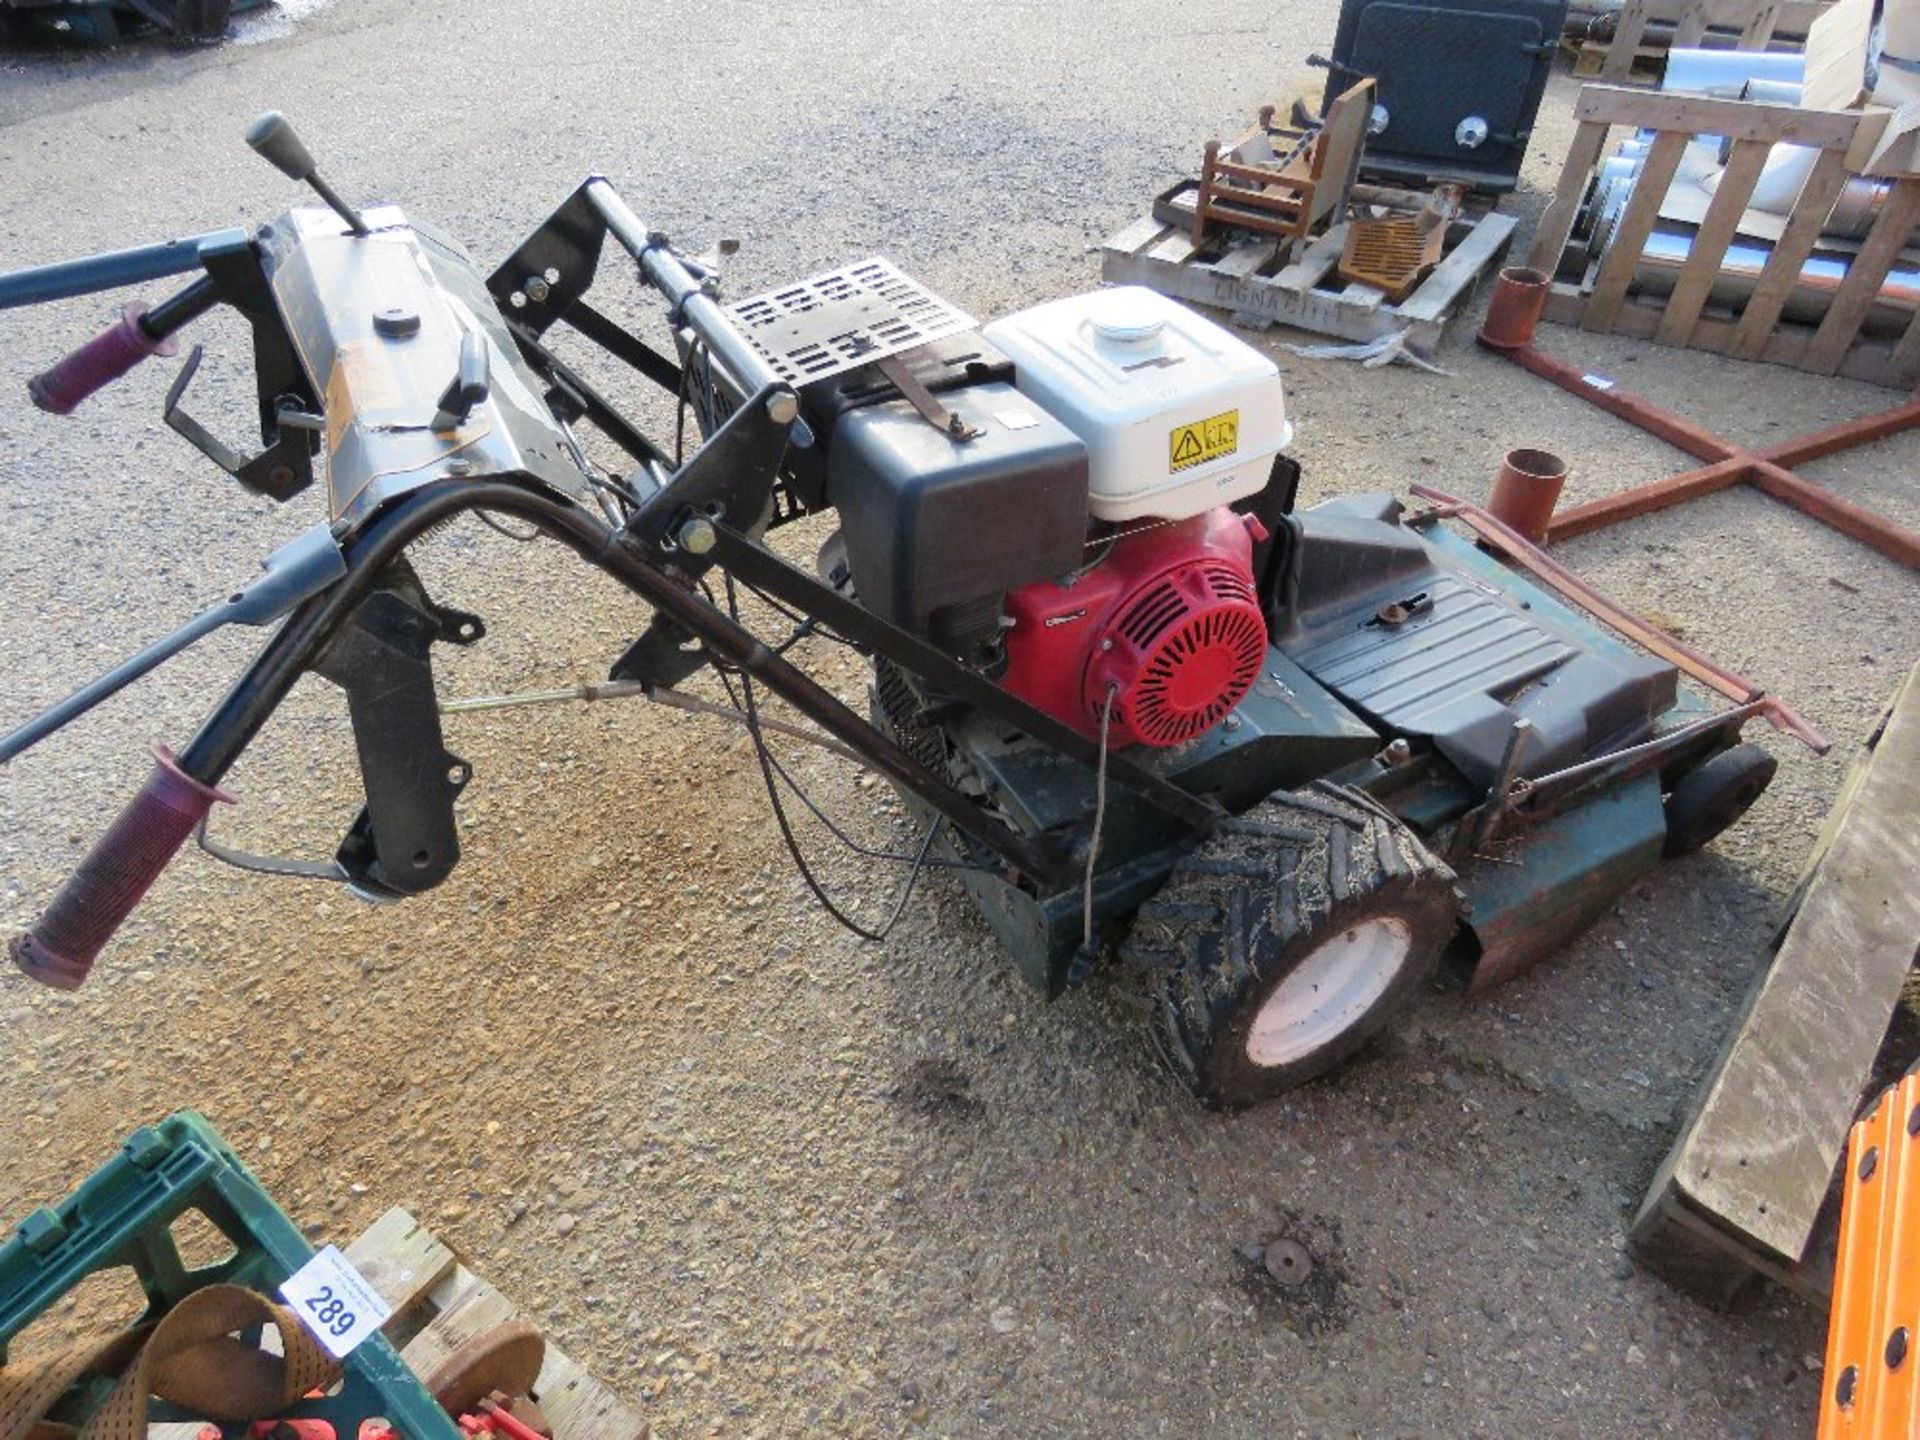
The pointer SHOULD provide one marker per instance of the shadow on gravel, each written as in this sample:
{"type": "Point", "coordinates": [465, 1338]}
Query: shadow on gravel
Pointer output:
{"type": "Point", "coordinates": [939, 1089]}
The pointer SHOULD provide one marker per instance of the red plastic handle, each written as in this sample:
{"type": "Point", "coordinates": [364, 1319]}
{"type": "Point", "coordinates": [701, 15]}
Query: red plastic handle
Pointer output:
{"type": "Point", "coordinates": [98, 363]}
{"type": "Point", "coordinates": [117, 872]}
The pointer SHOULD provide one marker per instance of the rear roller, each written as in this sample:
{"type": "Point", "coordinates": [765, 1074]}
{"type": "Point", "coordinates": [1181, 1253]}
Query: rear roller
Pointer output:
{"type": "Point", "coordinates": [1710, 797]}
{"type": "Point", "coordinates": [1288, 940]}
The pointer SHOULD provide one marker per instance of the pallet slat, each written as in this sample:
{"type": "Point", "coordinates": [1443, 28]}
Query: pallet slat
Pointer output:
{"type": "Point", "coordinates": [1630, 235]}
{"type": "Point", "coordinates": [1316, 263]}
{"type": "Point", "coordinates": [1626, 40]}
{"type": "Point", "coordinates": [1906, 354]}
{"type": "Point", "coordinates": [1243, 260]}
{"type": "Point", "coordinates": [1704, 115]}
{"type": "Point", "coordinates": [1556, 224]}
{"type": "Point", "coordinates": [1440, 291]}
{"type": "Point", "coordinates": [1137, 236]}
{"type": "Point", "coordinates": [1865, 275]}
{"type": "Point", "coordinates": [1176, 249]}
{"type": "Point", "coordinates": [1702, 267]}
{"type": "Point", "coordinates": [1782, 272]}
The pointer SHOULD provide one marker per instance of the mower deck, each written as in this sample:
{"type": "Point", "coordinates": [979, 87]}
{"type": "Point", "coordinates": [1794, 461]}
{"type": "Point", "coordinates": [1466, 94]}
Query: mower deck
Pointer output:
{"type": "Point", "coordinates": [1396, 634]}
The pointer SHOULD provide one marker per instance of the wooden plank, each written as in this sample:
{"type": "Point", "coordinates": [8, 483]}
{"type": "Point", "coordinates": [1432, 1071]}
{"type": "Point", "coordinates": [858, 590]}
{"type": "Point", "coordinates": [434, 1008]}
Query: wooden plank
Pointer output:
{"type": "Point", "coordinates": [579, 1407]}
{"type": "Point", "coordinates": [1626, 40]}
{"type": "Point", "coordinates": [1702, 265]}
{"type": "Point", "coordinates": [466, 1306]}
{"type": "Point", "coordinates": [1439, 292]}
{"type": "Point", "coordinates": [1360, 296]}
{"type": "Point", "coordinates": [401, 1259]}
{"type": "Point", "coordinates": [1556, 222]}
{"type": "Point", "coordinates": [1759, 1152]}
{"type": "Point", "coordinates": [1905, 362]}
{"type": "Point", "coordinates": [1692, 25]}
{"type": "Point", "coordinates": [1138, 236]}
{"type": "Point", "coordinates": [1242, 260]}
{"type": "Point", "coordinates": [1758, 30]}
{"type": "Point", "coordinates": [1857, 292]}
{"type": "Point", "coordinates": [1703, 115]}
{"type": "Point", "coordinates": [1762, 310]}
{"type": "Point", "coordinates": [1176, 249]}
{"type": "Point", "coordinates": [1630, 234]}
{"type": "Point", "coordinates": [1312, 267]}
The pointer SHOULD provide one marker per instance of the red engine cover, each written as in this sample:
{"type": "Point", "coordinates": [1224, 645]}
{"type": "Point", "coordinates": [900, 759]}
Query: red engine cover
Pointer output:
{"type": "Point", "coordinates": [1169, 621]}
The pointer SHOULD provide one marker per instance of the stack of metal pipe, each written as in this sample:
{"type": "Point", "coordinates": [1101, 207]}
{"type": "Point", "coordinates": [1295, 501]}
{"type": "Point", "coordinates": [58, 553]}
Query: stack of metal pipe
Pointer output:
{"type": "Point", "coordinates": [1773, 78]}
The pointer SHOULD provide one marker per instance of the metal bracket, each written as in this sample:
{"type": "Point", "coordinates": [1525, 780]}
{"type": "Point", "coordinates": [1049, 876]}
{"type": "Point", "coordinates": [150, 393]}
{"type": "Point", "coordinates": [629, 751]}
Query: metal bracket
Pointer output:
{"type": "Point", "coordinates": [404, 841]}
{"type": "Point", "coordinates": [729, 478]}
{"type": "Point", "coordinates": [948, 422]}
{"type": "Point", "coordinates": [281, 471]}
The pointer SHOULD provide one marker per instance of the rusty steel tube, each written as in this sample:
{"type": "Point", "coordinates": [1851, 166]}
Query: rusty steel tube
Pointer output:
{"type": "Point", "coordinates": [1519, 297]}
{"type": "Point", "coordinates": [1526, 490]}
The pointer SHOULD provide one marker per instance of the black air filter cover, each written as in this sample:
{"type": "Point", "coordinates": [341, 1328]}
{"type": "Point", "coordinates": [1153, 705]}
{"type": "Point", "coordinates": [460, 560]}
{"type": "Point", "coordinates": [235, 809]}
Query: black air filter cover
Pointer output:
{"type": "Point", "coordinates": [938, 529]}
{"type": "Point", "coordinates": [1446, 74]}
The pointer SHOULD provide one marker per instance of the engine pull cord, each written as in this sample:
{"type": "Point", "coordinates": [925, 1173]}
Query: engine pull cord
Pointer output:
{"type": "Point", "coordinates": [1082, 963]}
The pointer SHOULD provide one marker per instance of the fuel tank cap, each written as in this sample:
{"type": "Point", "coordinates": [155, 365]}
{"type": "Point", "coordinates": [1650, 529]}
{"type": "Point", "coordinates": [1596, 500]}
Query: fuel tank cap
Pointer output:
{"type": "Point", "coordinates": [1124, 318]}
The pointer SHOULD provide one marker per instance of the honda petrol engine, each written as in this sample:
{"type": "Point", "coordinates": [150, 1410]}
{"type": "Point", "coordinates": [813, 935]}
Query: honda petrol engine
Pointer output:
{"type": "Point", "coordinates": [1070, 528]}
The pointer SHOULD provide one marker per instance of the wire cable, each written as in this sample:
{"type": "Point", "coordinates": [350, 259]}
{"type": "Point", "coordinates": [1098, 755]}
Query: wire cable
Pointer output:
{"type": "Point", "coordinates": [770, 768]}
{"type": "Point", "coordinates": [1083, 962]}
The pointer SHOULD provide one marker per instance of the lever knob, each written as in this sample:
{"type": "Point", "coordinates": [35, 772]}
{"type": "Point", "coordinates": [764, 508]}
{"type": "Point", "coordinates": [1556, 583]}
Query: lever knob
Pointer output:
{"type": "Point", "coordinates": [274, 137]}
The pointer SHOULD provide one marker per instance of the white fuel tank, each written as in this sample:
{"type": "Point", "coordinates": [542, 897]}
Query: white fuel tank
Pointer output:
{"type": "Point", "coordinates": [1177, 415]}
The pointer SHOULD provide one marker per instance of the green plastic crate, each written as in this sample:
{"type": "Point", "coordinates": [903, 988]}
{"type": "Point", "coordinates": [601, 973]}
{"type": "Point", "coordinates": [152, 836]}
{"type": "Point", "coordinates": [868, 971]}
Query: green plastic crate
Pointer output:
{"type": "Point", "coordinates": [123, 1216]}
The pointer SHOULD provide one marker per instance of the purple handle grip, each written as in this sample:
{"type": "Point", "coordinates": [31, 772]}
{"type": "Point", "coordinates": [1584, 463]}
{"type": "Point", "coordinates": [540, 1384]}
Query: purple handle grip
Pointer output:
{"type": "Point", "coordinates": [99, 362]}
{"type": "Point", "coordinates": [60, 950]}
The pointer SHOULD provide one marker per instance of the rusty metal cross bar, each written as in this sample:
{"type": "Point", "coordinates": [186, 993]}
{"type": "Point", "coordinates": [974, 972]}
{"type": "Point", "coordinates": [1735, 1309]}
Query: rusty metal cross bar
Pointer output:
{"type": "Point", "coordinates": [1508, 331]}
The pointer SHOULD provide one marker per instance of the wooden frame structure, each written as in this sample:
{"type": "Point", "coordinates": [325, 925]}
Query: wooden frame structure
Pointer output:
{"type": "Point", "coordinates": [1756, 23]}
{"type": "Point", "coordinates": [1289, 188]}
{"type": "Point", "coordinates": [1599, 301]}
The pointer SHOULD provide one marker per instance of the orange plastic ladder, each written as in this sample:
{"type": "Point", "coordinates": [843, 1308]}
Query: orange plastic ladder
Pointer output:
{"type": "Point", "coordinates": [1872, 1380]}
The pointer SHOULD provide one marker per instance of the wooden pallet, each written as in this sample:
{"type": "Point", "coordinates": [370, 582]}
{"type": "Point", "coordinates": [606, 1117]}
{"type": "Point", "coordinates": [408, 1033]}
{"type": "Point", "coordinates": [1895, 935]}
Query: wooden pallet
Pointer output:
{"type": "Point", "coordinates": [1259, 285]}
{"type": "Point", "coordinates": [1590, 60]}
{"type": "Point", "coordinates": [1748, 24]}
{"type": "Point", "coordinates": [1599, 296]}
{"type": "Point", "coordinates": [1748, 1187]}
{"type": "Point", "coordinates": [438, 1304]}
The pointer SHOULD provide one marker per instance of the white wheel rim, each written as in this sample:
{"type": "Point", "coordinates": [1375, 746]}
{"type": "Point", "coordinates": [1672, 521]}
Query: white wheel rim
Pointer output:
{"type": "Point", "coordinates": [1341, 979]}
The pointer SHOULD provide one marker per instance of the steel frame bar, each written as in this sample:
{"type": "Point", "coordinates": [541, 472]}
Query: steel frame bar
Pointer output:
{"type": "Point", "coordinates": [1727, 464]}
{"type": "Point", "coordinates": [294, 648]}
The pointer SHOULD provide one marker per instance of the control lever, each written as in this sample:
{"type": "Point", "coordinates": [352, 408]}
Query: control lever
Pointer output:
{"type": "Point", "coordinates": [469, 385]}
{"type": "Point", "coordinates": [303, 567]}
{"type": "Point", "coordinates": [273, 136]}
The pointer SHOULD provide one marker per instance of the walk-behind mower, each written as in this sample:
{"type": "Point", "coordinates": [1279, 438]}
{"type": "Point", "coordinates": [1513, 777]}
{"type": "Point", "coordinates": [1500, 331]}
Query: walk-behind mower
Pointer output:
{"type": "Point", "coordinates": [1128, 690]}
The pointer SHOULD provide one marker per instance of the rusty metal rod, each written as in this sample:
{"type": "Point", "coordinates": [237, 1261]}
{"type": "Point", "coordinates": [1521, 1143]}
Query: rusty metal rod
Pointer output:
{"type": "Point", "coordinates": [1896, 542]}
{"type": "Point", "coordinates": [1645, 499]}
{"type": "Point", "coordinates": [1676, 430]}
{"type": "Point", "coordinates": [1844, 436]}
{"type": "Point", "coordinates": [1727, 464]}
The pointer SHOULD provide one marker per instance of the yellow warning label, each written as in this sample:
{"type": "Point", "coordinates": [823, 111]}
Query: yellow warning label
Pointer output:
{"type": "Point", "coordinates": [1204, 440]}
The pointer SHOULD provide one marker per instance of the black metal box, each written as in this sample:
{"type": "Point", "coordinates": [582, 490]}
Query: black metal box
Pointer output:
{"type": "Point", "coordinates": [1458, 84]}
{"type": "Point", "coordinates": [938, 529]}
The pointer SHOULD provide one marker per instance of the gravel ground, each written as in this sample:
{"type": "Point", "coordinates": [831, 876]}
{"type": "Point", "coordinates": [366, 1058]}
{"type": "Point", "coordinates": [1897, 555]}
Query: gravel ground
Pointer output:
{"type": "Point", "coordinates": [765, 1179]}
